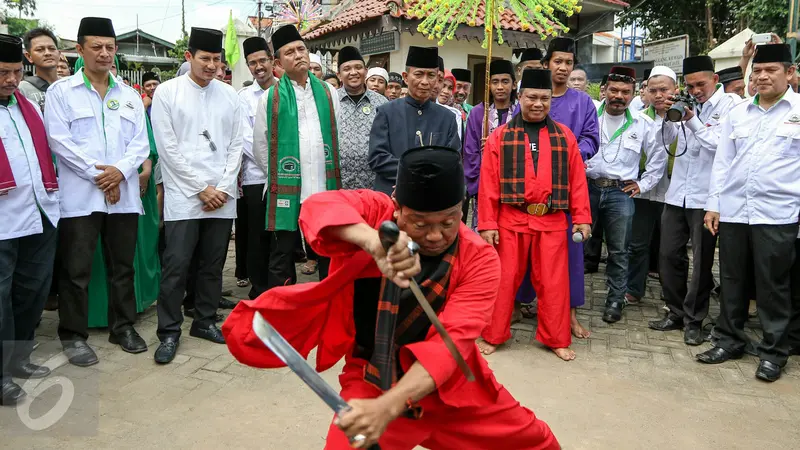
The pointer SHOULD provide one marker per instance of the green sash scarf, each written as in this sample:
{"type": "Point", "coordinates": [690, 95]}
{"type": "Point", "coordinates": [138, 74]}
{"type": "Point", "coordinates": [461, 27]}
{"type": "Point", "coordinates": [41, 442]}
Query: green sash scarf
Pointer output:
{"type": "Point", "coordinates": [283, 141]}
{"type": "Point", "coordinates": [651, 112]}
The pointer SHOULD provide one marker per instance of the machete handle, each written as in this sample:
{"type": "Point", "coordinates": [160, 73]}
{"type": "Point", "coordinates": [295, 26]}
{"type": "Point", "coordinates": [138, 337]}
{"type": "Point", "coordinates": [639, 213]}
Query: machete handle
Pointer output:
{"type": "Point", "coordinates": [388, 233]}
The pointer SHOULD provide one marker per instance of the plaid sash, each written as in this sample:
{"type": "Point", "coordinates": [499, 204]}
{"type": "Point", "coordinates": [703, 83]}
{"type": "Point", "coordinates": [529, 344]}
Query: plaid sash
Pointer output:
{"type": "Point", "coordinates": [401, 320]}
{"type": "Point", "coordinates": [512, 164]}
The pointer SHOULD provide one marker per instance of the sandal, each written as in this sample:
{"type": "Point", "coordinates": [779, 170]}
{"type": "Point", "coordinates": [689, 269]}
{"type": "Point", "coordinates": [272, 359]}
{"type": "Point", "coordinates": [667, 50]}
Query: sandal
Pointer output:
{"type": "Point", "coordinates": [243, 283]}
{"type": "Point", "coordinates": [309, 268]}
{"type": "Point", "coordinates": [528, 310]}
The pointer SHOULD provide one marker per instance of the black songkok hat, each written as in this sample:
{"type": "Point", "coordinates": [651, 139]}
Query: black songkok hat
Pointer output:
{"type": "Point", "coordinates": [441, 64]}
{"type": "Point", "coordinates": [694, 64]}
{"type": "Point", "coordinates": [96, 26]}
{"type": "Point", "coordinates": [285, 35]}
{"type": "Point", "coordinates": [425, 171]}
{"type": "Point", "coordinates": [560, 44]}
{"type": "Point", "coordinates": [773, 53]}
{"type": "Point", "coordinates": [349, 53]}
{"type": "Point", "coordinates": [531, 54]}
{"type": "Point", "coordinates": [647, 74]}
{"type": "Point", "coordinates": [149, 76]}
{"type": "Point", "coordinates": [499, 66]}
{"type": "Point", "coordinates": [206, 39]}
{"type": "Point", "coordinates": [730, 74]}
{"type": "Point", "coordinates": [254, 44]}
{"type": "Point", "coordinates": [395, 77]}
{"type": "Point", "coordinates": [536, 79]}
{"type": "Point", "coordinates": [604, 81]}
{"type": "Point", "coordinates": [462, 75]}
{"type": "Point", "coordinates": [10, 49]}
{"type": "Point", "coordinates": [423, 57]}
{"type": "Point", "coordinates": [622, 71]}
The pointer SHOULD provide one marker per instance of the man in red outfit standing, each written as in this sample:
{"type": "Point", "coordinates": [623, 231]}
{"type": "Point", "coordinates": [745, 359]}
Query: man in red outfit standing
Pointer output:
{"type": "Point", "coordinates": [403, 385]}
{"type": "Point", "coordinates": [532, 174]}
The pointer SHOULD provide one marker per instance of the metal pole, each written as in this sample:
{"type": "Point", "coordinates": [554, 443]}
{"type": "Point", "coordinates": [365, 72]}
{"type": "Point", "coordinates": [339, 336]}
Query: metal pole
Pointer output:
{"type": "Point", "coordinates": [259, 18]}
{"type": "Point", "coordinates": [137, 34]}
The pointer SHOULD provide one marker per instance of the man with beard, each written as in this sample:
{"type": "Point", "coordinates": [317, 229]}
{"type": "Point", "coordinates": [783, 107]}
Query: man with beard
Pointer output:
{"type": "Point", "coordinates": [359, 106]}
{"type": "Point", "coordinates": [412, 122]}
{"type": "Point", "coordinates": [394, 89]}
{"type": "Point", "coordinates": [502, 100]}
{"type": "Point", "coordinates": [732, 80]}
{"type": "Point", "coordinates": [531, 175]}
{"type": "Point", "coordinates": [753, 204]}
{"type": "Point", "coordinates": [686, 199]}
{"type": "Point", "coordinates": [575, 110]}
{"type": "Point", "coordinates": [377, 80]}
{"type": "Point", "coordinates": [40, 50]}
{"type": "Point", "coordinates": [296, 144]}
{"type": "Point", "coordinates": [252, 239]}
{"type": "Point", "coordinates": [197, 122]}
{"type": "Point", "coordinates": [463, 89]}
{"type": "Point", "coordinates": [627, 137]}
{"type": "Point", "coordinates": [150, 82]}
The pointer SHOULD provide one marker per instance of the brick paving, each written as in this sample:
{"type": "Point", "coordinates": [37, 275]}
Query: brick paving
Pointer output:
{"type": "Point", "coordinates": [629, 388]}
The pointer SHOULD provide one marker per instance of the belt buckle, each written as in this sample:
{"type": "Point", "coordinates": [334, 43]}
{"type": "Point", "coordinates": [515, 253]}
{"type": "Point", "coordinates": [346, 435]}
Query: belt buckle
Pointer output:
{"type": "Point", "coordinates": [533, 209]}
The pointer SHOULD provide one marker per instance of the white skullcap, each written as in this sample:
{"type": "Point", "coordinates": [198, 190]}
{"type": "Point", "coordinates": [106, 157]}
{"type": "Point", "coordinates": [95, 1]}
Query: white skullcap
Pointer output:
{"type": "Point", "coordinates": [315, 59]}
{"type": "Point", "coordinates": [663, 71]}
{"type": "Point", "coordinates": [380, 71]}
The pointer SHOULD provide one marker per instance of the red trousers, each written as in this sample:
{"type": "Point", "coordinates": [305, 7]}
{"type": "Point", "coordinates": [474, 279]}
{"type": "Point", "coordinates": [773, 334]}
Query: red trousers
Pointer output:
{"type": "Point", "coordinates": [547, 252]}
{"type": "Point", "coordinates": [504, 425]}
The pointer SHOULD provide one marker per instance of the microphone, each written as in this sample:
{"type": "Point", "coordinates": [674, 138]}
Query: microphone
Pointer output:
{"type": "Point", "coordinates": [577, 237]}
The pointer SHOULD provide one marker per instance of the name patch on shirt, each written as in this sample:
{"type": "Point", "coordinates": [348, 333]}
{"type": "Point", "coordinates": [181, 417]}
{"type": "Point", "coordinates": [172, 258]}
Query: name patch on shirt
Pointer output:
{"type": "Point", "coordinates": [284, 203]}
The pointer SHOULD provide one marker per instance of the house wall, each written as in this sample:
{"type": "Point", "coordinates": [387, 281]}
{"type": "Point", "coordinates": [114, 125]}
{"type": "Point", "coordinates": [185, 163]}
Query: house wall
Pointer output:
{"type": "Point", "coordinates": [454, 53]}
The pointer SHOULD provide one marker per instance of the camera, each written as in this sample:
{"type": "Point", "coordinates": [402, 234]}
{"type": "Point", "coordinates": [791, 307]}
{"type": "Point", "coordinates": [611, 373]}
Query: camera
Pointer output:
{"type": "Point", "coordinates": [677, 110]}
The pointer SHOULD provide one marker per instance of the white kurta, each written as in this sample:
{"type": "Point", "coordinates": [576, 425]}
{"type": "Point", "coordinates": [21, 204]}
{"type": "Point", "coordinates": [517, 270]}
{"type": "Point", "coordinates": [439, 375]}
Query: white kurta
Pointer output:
{"type": "Point", "coordinates": [251, 173]}
{"type": "Point", "coordinates": [692, 170]}
{"type": "Point", "coordinates": [181, 114]}
{"type": "Point", "coordinates": [619, 159]}
{"type": "Point", "coordinates": [19, 208]}
{"type": "Point", "coordinates": [755, 175]}
{"type": "Point", "coordinates": [84, 131]}
{"type": "Point", "coordinates": [312, 148]}
{"type": "Point", "coordinates": [665, 135]}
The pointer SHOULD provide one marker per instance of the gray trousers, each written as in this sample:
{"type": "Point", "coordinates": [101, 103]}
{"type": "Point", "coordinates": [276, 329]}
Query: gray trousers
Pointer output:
{"type": "Point", "coordinates": [771, 248]}
{"type": "Point", "coordinates": [26, 269]}
{"type": "Point", "coordinates": [645, 219]}
{"type": "Point", "coordinates": [209, 239]}
{"type": "Point", "coordinates": [688, 302]}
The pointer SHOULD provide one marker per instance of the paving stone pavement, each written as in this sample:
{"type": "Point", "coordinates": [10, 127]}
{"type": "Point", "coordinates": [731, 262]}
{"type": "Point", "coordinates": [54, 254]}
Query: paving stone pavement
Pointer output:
{"type": "Point", "coordinates": [629, 388]}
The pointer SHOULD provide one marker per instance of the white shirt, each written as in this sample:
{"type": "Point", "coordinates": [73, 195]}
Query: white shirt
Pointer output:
{"type": "Point", "coordinates": [664, 138]}
{"type": "Point", "coordinates": [457, 113]}
{"type": "Point", "coordinates": [182, 111]}
{"type": "Point", "coordinates": [84, 131]}
{"type": "Point", "coordinates": [637, 104]}
{"type": "Point", "coordinates": [755, 175]}
{"type": "Point", "coordinates": [312, 151]}
{"type": "Point", "coordinates": [19, 208]}
{"type": "Point", "coordinates": [597, 104]}
{"type": "Point", "coordinates": [618, 159]}
{"type": "Point", "coordinates": [690, 174]}
{"type": "Point", "coordinates": [251, 173]}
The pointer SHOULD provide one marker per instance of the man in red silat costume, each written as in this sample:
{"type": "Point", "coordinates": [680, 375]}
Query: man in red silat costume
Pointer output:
{"type": "Point", "coordinates": [403, 385]}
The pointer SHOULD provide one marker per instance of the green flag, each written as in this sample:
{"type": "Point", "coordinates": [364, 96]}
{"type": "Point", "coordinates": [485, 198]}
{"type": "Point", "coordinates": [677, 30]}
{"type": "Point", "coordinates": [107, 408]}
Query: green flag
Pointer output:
{"type": "Point", "coordinates": [232, 53]}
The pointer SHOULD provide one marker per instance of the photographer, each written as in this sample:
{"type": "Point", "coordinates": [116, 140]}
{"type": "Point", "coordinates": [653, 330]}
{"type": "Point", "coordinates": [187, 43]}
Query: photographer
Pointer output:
{"type": "Point", "coordinates": [754, 203]}
{"type": "Point", "coordinates": [686, 198]}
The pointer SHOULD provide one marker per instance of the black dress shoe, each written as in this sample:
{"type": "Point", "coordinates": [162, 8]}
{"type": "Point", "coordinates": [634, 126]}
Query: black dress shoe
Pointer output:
{"type": "Point", "coordinates": [717, 355]}
{"type": "Point", "coordinates": [29, 370]}
{"type": "Point", "coordinates": [10, 393]}
{"type": "Point", "coordinates": [129, 340]}
{"type": "Point", "coordinates": [794, 350]}
{"type": "Point", "coordinates": [166, 351]}
{"type": "Point", "coordinates": [80, 354]}
{"type": "Point", "coordinates": [768, 371]}
{"type": "Point", "coordinates": [224, 303]}
{"type": "Point", "coordinates": [190, 313]}
{"type": "Point", "coordinates": [209, 333]}
{"type": "Point", "coordinates": [589, 270]}
{"type": "Point", "coordinates": [668, 323]}
{"type": "Point", "coordinates": [693, 336]}
{"type": "Point", "coordinates": [613, 312]}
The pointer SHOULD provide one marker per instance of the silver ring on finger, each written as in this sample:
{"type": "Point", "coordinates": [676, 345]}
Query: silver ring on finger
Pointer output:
{"type": "Point", "coordinates": [357, 439]}
{"type": "Point", "coordinates": [413, 248]}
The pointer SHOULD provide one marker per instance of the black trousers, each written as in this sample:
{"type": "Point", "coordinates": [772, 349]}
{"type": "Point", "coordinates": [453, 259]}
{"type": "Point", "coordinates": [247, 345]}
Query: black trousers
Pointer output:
{"type": "Point", "coordinates": [645, 220]}
{"type": "Point", "coordinates": [771, 248]}
{"type": "Point", "coordinates": [678, 225]}
{"type": "Point", "coordinates": [26, 269]}
{"type": "Point", "coordinates": [242, 238]}
{"type": "Point", "coordinates": [208, 239]}
{"type": "Point", "coordinates": [77, 242]}
{"type": "Point", "coordinates": [282, 270]}
{"type": "Point", "coordinates": [794, 324]}
{"type": "Point", "coordinates": [258, 239]}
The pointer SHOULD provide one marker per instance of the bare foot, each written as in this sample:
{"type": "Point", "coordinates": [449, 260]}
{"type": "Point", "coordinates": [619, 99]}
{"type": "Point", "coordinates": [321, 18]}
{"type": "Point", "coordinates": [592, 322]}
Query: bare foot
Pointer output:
{"type": "Point", "coordinates": [567, 354]}
{"type": "Point", "coordinates": [486, 348]}
{"type": "Point", "coordinates": [577, 329]}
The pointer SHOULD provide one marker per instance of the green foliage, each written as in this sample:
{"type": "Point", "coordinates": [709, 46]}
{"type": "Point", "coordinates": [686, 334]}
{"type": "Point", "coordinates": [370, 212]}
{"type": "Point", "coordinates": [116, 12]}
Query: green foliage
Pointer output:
{"type": "Point", "coordinates": [18, 27]}
{"type": "Point", "coordinates": [180, 48]}
{"type": "Point", "coordinates": [593, 89]}
{"type": "Point", "coordinates": [21, 7]}
{"type": "Point", "coordinates": [762, 16]}
{"type": "Point", "coordinates": [167, 74]}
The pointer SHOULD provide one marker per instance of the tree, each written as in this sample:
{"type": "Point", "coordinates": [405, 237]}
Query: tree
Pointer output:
{"type": "Point", "coordinates": [180, 48]}
{"type": "Point", "coordinates": [18, 27]}
{"type": "Point", "coordinates": [707, 22]}
{"type": "Point", "coordinates": [24, 7]}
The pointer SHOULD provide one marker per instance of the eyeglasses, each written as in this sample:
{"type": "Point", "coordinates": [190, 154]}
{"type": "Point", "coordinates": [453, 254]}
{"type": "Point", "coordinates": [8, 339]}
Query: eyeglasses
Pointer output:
{"type": "Point", "coordinates": [207, 135]}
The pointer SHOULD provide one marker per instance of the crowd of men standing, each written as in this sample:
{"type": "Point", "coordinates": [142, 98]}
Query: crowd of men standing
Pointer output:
{"type": "Point", "coordinates": [137, 192]}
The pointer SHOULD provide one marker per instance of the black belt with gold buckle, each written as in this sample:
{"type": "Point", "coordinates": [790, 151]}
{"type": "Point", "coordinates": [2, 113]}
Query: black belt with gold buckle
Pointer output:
{"type": "Point", "coordinates": [605, 182]}
{"type": "Point", "coordinates": [536, 209]}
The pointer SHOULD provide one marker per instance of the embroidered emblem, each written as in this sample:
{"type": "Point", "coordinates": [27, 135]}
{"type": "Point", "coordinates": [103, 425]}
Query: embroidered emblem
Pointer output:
{"type": "Point", "coordinates": [794, 118]}
{"type": "Point", "coordinates": [129, 105]}
{"type": "Point", "coordinates": [366, 109]}
{"type": "Point", "coordinates": [112, 104]}
{"type": "Point", "coordinates": [715, 116]}
{"type": "Point", "coordinates": [634, 136]}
